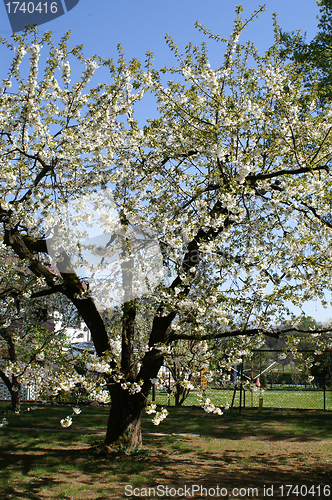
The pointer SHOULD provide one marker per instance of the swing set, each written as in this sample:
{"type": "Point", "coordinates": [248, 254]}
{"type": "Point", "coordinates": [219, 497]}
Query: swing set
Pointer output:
{"type": "Point", "coordinates": [251, 379]}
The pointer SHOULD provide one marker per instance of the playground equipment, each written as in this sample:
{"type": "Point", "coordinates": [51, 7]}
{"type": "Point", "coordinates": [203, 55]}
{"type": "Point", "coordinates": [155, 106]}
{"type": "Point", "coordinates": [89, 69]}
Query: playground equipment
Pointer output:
{"type": "Point", "coordinates": [252, 379]}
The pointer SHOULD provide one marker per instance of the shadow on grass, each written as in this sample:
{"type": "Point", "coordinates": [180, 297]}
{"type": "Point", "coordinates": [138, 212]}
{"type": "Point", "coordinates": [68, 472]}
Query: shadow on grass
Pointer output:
{"type": "Point", "coordinates": [226, 469]}
{"type": "Point", "coordinates": [301, 425]}
{"type": "Point", "coordinates": [49, 415]}
{"type": "Point", "coordinates": [269, 424]}
{"type": "Point", "coordinates": [35, 461]}
{"type": "Point", "coordinates": [248, 451]}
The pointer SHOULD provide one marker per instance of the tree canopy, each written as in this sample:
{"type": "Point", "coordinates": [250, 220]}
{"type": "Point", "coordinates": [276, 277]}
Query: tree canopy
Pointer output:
{"type": "Point", "coordinates": [232, 178]}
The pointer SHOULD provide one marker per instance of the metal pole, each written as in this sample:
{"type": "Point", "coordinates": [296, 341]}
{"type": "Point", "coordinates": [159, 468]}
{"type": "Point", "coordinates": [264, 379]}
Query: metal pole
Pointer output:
{"type": "Point", "coordinates": [230, 412]}
{"type": "Point", "coordinates": [252, 380]}
{"type": "Point", "coordinates": [241, 388]}
{"type": "Point", "coordinates": [244, 398]}
{"type": "Point", "coordinates": [324, 387]}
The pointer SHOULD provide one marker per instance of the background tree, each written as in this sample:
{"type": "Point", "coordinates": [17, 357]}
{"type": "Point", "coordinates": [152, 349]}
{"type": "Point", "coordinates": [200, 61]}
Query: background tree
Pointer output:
{"type": "Point", "coordinates": [188, 361]}
{"type": "Point", "coordinates": [314, 58]}
{"type": "Point", "coordinates": [232, 178]}
{"type": "Point", "coordinates": [27, 339]}
{"type": "Point", "coordinates": [35, 349]}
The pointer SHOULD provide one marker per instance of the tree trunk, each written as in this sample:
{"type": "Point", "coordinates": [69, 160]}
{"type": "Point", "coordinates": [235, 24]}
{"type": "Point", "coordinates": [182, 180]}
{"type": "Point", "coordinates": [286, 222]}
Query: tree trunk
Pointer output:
{"type": "Point", "coordinates": [128, 337]}
{"type": "Point", "coordinates": [15, 393]}
{"type": "Point", "coordinates": [14, 388]}
{"type": "Point", "coordinates": [180, 395]}
{"type": "Point", "coordinates": [177, 394]}
{"type": "Point", "coordinates": [124, 422]}
{"type": "Point", "coordinates": [16, 398]}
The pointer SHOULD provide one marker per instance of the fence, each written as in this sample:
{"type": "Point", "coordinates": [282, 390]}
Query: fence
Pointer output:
{"type": "Point", "coordinates": [276, 377]}
{"type": "Point", "coordinates": [314, 399]}
{"type": "Point", "coordinates": [27, 393]}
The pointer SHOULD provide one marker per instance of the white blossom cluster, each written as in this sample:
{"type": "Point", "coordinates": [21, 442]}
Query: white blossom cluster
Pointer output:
{"type": "Point", "coordinates": [159, 416]}
{"type": "Point", "coordinates": [4, 422]}
{"type": "Point", "coordinates": [208, 406]}
{"type": "Point", "coordinates": [67, 421]}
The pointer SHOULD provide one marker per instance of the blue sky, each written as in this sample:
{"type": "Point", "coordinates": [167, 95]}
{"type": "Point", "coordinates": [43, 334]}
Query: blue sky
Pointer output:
{"type": "Point", "coordinates": [141, 26]}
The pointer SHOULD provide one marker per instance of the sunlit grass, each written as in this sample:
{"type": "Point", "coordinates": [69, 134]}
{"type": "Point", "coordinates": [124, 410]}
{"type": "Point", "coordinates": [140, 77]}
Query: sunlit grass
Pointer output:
{"type": "Point", "coordinates": [275, 398]}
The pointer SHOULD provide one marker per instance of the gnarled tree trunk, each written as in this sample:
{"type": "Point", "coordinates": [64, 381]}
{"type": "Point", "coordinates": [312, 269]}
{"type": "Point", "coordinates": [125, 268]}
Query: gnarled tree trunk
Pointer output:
{"type": "Point", "coordinates": [124, 423]}
{"type": "Point", "coordinates": [14, 388]}
{"type": "Point", "coordinates": [15, 395]}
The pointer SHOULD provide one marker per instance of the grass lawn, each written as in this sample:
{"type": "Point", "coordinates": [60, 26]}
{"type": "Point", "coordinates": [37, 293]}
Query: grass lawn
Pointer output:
{"type": "Point", "coordinates": [248, 451]}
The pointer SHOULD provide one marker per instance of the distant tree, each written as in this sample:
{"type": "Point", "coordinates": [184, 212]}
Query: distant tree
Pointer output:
{"type": "Point", "coordinates": [321, 368]}
{"type": "Point", "coordinates": [314, 58]}
{"type": "Point", "coordinates": [27, 341]}
{"type": "Point", "coordinates": [189, 358]}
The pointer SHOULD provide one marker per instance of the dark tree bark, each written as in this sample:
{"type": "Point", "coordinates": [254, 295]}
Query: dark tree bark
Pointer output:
{"type": "Point", "coordinates": [128, 337]}
{"type": "Point", "coordinates": [14, 387]}
{"type": "Point", "coordinates": [15, 394]}
{"type": "Point", "coordinates": [124, 422]}
{"type": "Point", "coordinates": [13, 384]}
{"type": "Point", "coordinates": [181, 394]}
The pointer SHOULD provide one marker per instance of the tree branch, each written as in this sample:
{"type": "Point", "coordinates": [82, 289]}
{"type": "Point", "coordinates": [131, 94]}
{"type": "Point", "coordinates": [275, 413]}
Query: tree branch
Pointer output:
{"type": "Point", "coordinates": [259, 177]}
{"type": "Point", "coordinates": [250, 332]}
{"type": "Point", "coordinates": [47, 291]}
